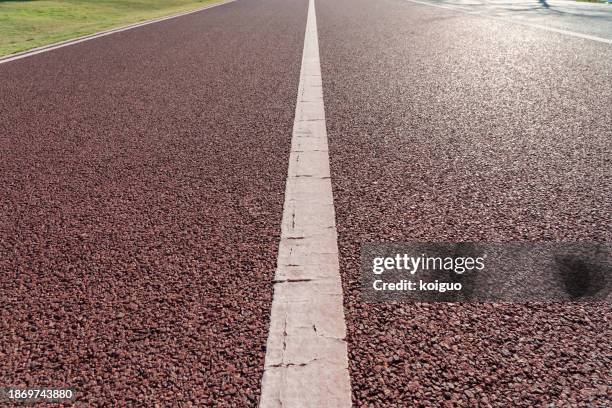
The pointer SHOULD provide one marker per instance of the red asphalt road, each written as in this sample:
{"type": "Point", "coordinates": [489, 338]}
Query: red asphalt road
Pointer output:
{"type": "Point", "coordinates": [446, 127]}
{"type": "Point", "coordinates": [141, 192]}
{"type": "Point", "coordinates": [142, 181]}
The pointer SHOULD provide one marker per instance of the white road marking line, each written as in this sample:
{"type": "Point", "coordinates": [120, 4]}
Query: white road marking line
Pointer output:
{"type": "Point", "coordinates": [306, 361]}
{"type": "Point", "coordinates": [66, 43]}
{"type": "Point", "coordinates": [517, 21]}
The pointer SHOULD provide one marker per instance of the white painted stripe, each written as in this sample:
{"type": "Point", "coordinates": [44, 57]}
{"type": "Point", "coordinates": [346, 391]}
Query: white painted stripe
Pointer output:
{"type": "Point", "coordinates": [517, 21]}
{"type": "Point", "coordinates": [61, 44]}
{"type": "Point", "coordinates": [306, 361]}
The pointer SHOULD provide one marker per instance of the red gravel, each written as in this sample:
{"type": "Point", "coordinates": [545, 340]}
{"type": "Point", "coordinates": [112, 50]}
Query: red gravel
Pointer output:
{"type": "Point", "coordinates": [447, 127]}
{"type": "Point", "coordinates": [141, 189]}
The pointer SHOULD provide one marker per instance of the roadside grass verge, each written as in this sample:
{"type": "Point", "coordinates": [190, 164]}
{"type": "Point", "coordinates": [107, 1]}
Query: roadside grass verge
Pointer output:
{"type": "Point", "coordinates": [26, 24]}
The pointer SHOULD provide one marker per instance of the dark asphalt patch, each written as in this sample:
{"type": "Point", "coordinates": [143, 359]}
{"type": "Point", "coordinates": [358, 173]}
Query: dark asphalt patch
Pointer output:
{"type": "Point", "coordinates": [448, 127]}
{"type": "Point", "coordinates": [141, 192]}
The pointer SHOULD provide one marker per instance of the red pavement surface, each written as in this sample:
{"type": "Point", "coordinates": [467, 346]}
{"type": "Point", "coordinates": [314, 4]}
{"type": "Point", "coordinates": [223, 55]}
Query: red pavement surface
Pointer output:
{"type": "Point", "coordinates": [448, 127]}
{"type": "Point", "coordinates": [141, 191]}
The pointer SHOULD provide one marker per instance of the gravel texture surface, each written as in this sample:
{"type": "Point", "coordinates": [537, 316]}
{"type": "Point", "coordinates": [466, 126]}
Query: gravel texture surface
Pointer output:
{"type": "Point", "coordinates": [141, 189]}
{"type": "Point", "coordinates": [448, 127]}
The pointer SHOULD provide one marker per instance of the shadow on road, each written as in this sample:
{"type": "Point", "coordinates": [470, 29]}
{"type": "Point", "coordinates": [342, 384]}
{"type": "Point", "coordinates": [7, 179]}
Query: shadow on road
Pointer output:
{"type": "Point", "coordinates": [528, 7]}
{"type": "Point", "coordinates": [544, 4]}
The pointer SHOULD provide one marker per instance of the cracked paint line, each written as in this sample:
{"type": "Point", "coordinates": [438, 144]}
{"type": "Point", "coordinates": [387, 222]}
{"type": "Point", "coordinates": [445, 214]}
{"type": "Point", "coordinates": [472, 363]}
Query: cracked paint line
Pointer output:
{"type": "Point", "coordinates": [306, 361]}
